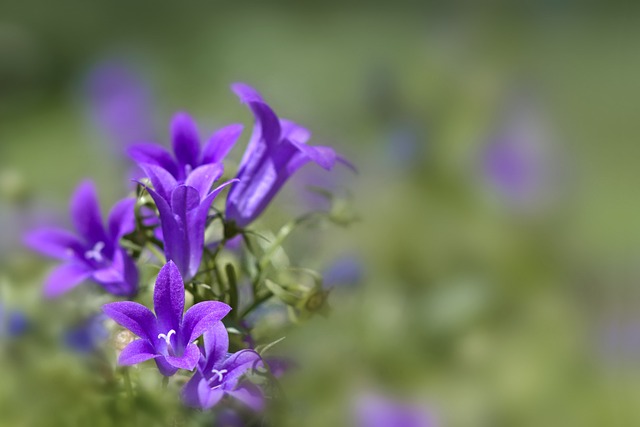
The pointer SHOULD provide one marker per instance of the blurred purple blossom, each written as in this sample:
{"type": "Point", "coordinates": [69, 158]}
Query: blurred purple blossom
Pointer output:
{"type": "Point", "coordinates": [87, 337]}
{"type": "Point", "coordinates": [348, 270]}
{"type": "Point", "coordinates": [13, 323]}
{"type": "Point", "coordinates": [120, 103]}
{"type": "Point", "coordinates": [380, 411]}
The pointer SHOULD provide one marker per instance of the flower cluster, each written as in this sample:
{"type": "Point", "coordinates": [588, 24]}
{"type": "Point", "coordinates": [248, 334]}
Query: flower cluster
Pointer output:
{"type": "Point", "coordinates": [167, 224]}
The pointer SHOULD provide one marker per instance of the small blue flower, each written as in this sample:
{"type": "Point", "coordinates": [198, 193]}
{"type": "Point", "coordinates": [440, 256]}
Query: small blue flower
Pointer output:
{"type": "Point", "coordinates": [87, 337]}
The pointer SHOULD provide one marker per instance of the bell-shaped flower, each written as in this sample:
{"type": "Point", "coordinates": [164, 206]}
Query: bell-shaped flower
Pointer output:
{"type": "Point", "coordinates": [94, 253]}
{"type": "Point", "coordinates": [183, 210]}
{"type": "Point", "coordinates": [219, 373]}
{"type": "Point", "coordinates": [277, 149]}
{"type": "Point", "coordinates": [187, 153]}
{"type": "Point", "coordinates": [169, 335]}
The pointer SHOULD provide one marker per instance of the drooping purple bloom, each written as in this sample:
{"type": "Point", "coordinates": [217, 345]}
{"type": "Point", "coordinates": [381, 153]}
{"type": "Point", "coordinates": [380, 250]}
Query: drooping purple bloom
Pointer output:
{"type": "Point", "coordinates": [169, 335]}
{"type": "Point", "coordinates": [277, 149]}
{"type": "Point", "coordinates": [88, 336]}
{"type": "Point", "coordinates": [187, 153]}
{"type": "Point", "coordinates": [380, 411]}
{"type": "Point", "coordinates": [120, 103]}
{"type": "Point", "coordinates": [219, 373]}
{"type": "Point", "coordinates": [94, 253]}
{"type": "Point", "coordinates": [183, 210]}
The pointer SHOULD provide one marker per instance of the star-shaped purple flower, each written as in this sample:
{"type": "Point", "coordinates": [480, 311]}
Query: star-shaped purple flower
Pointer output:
{"type": "Point", "coordinates": [183, 210]}
{"type": "Point", "coordinates": [186, 148]}
{"type": "Point", "coordinates": [277, 149]}
{"type": "Point", "coordinates": [168, 336]}
{"type": "Point", "coordinates": [95, 252]}
{"type": "Point", "coordinates": [219, 373]}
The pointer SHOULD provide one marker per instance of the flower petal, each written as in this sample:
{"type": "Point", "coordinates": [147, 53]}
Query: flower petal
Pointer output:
{"type": "Point", "coordinates": [133, 316]}
{"type": "Point", "coordinates": [267, 123]}
{"type": "Point", "coordinates": [54, 242]}
{"type": "Point", "coordinates": [164, 367]}
{"type": "Point", "coordinates": [121, 278]}
{"type": "Point", "coordinates": [203, 177]}
{"type": "Point", "coordinates": [176, 247]}
{"type": "Point", "coordinates": [64, 278]}
{"type": "Point", "coordinates": [85, 213]}
{"type": "Point", "coordinates": [168, 298]}
{"type": "Point", "coordinates": [163, 182]}
{"type": "Point", "coordinates": [137, 352]}
{"type": "Point", "coordinates": [197, 221]}
{"type": "Point", "coordinates": [153, 154]}
{"type": "Point", "coordinates": [220, 143]}
{"type": "Point", "coordinates": [188, 360]}
{"type": "Point", "coordinates": [216, 345]}
{"type": "Point", "coordinates": [203, 316]}
{"type": "Point", "coordinates": [240, 363]}
{"type": "Point", "coordinates": [122, 219]}
{"type": "Point", "coordinates": [190, 391]}
{"type": "Point", "coordinates": [207, 397]}
{"type": "Point", "coordinates": [250, 395]}
{"type": "Point", "coordinates": [186, 143]}
{"type": "Point", "coordinates": [294, 132]}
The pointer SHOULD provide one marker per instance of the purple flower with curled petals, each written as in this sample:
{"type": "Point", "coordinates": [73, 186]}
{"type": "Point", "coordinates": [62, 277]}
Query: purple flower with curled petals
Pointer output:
{"type": "Point", "coordinates": [183, 210]}
{"type": "Point", "coordinates": [186, 148]}
{"type": "Point", "coordinates": [94, 253]}
{"type": "Point", "coordinates": [277, 149]}
{"type": "Point", "coordinates": [169, 335]}
{"type": "Point", "coordinates": [219, 373]}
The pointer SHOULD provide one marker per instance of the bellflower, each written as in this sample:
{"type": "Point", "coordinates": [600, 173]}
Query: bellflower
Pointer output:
{"type": "Point", "coordinates": [168, 336]}
{"type": "Point", "coordinates": [183, 210]}
{"type": "Point", "coordinates": [219, 372]}
{"type": "Point", "coordinates": [277, 149]}
{"type": "Point", "coordinates": [94, 253]}
{"type": "Point", "coordinates": [186, 148]}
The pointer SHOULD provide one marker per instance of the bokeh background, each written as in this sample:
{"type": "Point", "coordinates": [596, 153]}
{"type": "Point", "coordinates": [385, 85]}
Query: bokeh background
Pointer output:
{"type": "Point", "coordinates": [492, 277]}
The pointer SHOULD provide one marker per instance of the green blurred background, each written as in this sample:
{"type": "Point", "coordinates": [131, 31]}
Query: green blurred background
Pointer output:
{"type": "Point", "coordinates": [490, 307]}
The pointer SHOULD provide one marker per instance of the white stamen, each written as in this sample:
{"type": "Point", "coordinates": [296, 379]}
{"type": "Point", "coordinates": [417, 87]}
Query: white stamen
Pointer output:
{"type": "Point", "coordinates": [167, 337]}
{"type": "Point", "coordinates": [96, 252]}
{"type": "Point", "coordinates": [219, 373]}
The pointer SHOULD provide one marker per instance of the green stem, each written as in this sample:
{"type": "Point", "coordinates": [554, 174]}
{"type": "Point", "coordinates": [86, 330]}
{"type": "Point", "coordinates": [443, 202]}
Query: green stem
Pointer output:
{"type": "Point", "coordinates": [255, 304]}
{"type": "Point", "coordinates": [157, 253]}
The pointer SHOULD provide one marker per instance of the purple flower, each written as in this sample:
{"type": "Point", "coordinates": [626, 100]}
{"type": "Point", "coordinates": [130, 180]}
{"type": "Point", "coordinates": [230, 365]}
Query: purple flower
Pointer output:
{"type": "Point", "coordinates": [94, 253]}
{"type": "Point", "coordinates": [13, 323]}
{"type": "Point", "coordinates": [219, 373]}
{"type": "Point", "coordinates": [347, 270]}
{"type": "Point", "coordinates": [379, 411]}
{"type": "Point", "coordinates": [186, 148]}
{"type": "Point", "coordinates": [277, 149]}
{"type": "Point", "coordinates": [87, 337]}
{"type": "Point", "coordinates": [168, 336]}
{"type": "Point", "coordinates": [183, 210]}
{"type": "Point", "coordinates": [120, 103]}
